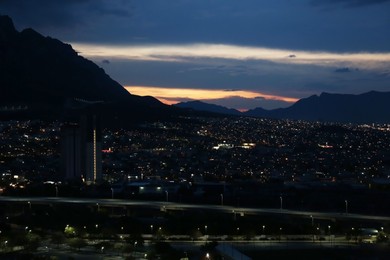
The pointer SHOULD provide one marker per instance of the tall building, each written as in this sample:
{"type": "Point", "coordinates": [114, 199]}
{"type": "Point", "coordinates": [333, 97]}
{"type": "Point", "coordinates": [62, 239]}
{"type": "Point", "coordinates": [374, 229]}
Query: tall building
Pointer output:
{"type": "Point", "coordinates": [91, 148]}
{"type": "Point", "coordinates": [81, 149]}
{"type": "Point", "coordinates": [70, 152]}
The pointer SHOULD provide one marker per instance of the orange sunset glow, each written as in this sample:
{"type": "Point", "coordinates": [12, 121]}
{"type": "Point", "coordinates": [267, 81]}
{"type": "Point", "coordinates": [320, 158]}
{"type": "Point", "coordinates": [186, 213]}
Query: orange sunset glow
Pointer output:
{"type": "Point", "coordinates": [175, 95]}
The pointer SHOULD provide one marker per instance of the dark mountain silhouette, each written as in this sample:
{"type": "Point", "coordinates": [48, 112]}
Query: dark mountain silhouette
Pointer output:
{"type": "Point", "coordinates": [40, 75]}
{"type": "Point", "coordinates": [43, 77]}
{"type": "Point", "coordinates": [201, 106]}
{"type": "Point", "coordinates": [371, 107]}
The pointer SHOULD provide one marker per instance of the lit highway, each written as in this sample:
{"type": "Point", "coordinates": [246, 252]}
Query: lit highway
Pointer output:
{"type": "Point", "coordinates": [30, 201]}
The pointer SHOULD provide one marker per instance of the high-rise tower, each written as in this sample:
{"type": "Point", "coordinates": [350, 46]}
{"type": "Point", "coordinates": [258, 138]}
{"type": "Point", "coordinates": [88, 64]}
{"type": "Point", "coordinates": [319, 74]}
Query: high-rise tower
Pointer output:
{"type": "Point", "coordinates": [91, 148]}
{"type": "Point", "coordinates": [81, 148]}
{"type": "Point", "coordinates": [70, 152]}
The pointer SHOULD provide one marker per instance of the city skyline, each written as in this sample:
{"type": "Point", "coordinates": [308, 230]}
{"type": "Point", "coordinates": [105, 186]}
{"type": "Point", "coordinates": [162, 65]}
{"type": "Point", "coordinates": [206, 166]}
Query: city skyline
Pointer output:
{"type": "Point", "coordinates": [219, 51]}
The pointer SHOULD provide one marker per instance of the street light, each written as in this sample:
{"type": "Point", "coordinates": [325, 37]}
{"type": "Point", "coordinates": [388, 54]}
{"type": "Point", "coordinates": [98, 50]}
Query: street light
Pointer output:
{"type": "Point", "coordinates": [263, 229]}
{"type": "Point", "coordinates": [166, 193]}
{"type": "Point", "coordinates": [281, 202]}
{"type": "Point", "coordinates": [56, 191]}
{"type": "Point", "coordinates": [221, 199]}
{"type": "Point", "coordinates": [312, 226]}
{"type": "Point", "coordinates": [151, 229]}
{"type": "Point", "coordinates": [346, 206]}
{"type": "Point", "coordinates": [112, 193]}
{"type": "Point", "coordinates": [135, 244]}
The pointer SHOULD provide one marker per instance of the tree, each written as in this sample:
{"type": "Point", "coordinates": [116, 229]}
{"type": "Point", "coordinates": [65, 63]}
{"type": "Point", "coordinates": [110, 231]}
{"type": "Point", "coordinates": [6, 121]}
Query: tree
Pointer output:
{"type": "Point", "coordinates": [77, 243]}
{"type": "Point", "coordinates": [135, 239]}
{"type": "Point", "coordinates": [70, 231]}
{"type": "Point", "coordinates": [196, 234]}
{"type": "Point", "coordinates": [382, 237]}
{"type": "Point", "coordinates": [166, 251]}
{"type": "Point", "coordinates": [57, 238]}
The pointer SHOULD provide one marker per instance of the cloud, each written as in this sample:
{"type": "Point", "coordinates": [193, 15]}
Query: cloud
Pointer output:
{"type": "Point", "coordinates": [195, 52]}
{"type": "Point", "coordinates": [228, 68]}
{"type": "Point", "coordinates": [62, 14]}
{"type": "Point", "coordinates": [244, 104]}
{"type": "Point", "coordinates": [349, 3]}
{"type": "Point", "coordinates": [238, 99]}
{"type": "Point", "coordinates": [174, 95]}
{"type": "Point", "coordinates": [343, 70]}
{"type": "Point", "coordinates": [106, 61]}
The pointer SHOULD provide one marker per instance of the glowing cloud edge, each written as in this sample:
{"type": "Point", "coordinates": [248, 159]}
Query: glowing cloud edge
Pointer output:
{"type": "Point", "coordinates": [187, 52]}
{"type": "Point", "coordinates": [172, 96]}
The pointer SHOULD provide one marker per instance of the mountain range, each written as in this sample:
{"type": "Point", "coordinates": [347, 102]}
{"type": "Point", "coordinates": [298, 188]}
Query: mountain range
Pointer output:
{"type": "Point", "coordinates": [370, 107]}
{"type": "Point", "coordinates": [41, 77]}
{"type": "Point", "coordinates": [46, 75]}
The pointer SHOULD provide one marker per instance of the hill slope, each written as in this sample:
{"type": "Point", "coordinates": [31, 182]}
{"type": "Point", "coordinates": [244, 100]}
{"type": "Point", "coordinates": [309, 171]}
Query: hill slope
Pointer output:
{"type": "Point", "coordinates": [43, 74]}
{"type": "Point", "coordinates": [202, 106]}
{"type": "Point", "coordinates": [370, 107]}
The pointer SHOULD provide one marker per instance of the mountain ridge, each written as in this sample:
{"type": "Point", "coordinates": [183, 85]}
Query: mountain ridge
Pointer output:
{"type": "Point", "coordinates": [369, 107]}
{"type": "Point", "coordinates": [201, 106]}
{"type": "Point", "coordinates": [43, 73]}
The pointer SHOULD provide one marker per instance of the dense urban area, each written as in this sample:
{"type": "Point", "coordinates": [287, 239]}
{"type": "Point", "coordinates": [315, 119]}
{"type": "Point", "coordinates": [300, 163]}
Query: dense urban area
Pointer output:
{"type": "Point", "coordinates": [215, 161]}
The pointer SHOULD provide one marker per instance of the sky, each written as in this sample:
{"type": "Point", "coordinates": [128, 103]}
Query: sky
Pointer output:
{"type": "Point", "coordinates": [240, 54]}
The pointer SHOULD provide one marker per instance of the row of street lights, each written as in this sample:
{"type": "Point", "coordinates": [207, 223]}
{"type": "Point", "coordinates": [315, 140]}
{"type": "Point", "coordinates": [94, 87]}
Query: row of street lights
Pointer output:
{"type": "Point", "coordinates": [221, 197]}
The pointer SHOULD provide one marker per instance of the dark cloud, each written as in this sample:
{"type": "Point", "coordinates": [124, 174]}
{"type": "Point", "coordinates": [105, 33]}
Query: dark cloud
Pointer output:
{"type": "Point", "coordinates": [385, 74]}
{"type": "Point", "coordinates": [256, 23]}
{"type": "Point", "coordinates": [69, 13]}
{"type": "Point", "coordinates": [106, 61]}
{"type": "Point", "coordinates": [343, 70]}
{"type": "Point", "coordinates": [232, 89]}
{"type": "Point", "coordinates": [292, 56]}
{"type": "Point", "coordinates": [232, 70]}
{"type": "Point", "coordinates": [349, 3]}
{"type": "Point", "coordinates": [248, 103]}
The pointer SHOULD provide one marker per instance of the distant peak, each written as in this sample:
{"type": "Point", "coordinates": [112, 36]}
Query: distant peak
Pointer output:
{"type": "Point", "coordinates": [324, 94]}
{"type": "Point", "coordinates": [6, 26]}
{"type": "Point", "coordinates": [311, 97]}
{"type": "Point", "coordinates": [31, 33]}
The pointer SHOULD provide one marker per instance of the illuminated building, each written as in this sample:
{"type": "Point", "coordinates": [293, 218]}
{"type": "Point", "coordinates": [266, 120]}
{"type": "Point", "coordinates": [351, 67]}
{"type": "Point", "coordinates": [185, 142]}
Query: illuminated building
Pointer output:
{"type": "Point", "coordinates": [81, 149]}
{"type": "Point", "coordinates": [91, 148]}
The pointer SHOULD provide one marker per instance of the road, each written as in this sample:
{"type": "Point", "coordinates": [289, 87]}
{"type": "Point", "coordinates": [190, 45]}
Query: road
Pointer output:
{"type": "Point", "coordinates": [183, 206]}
